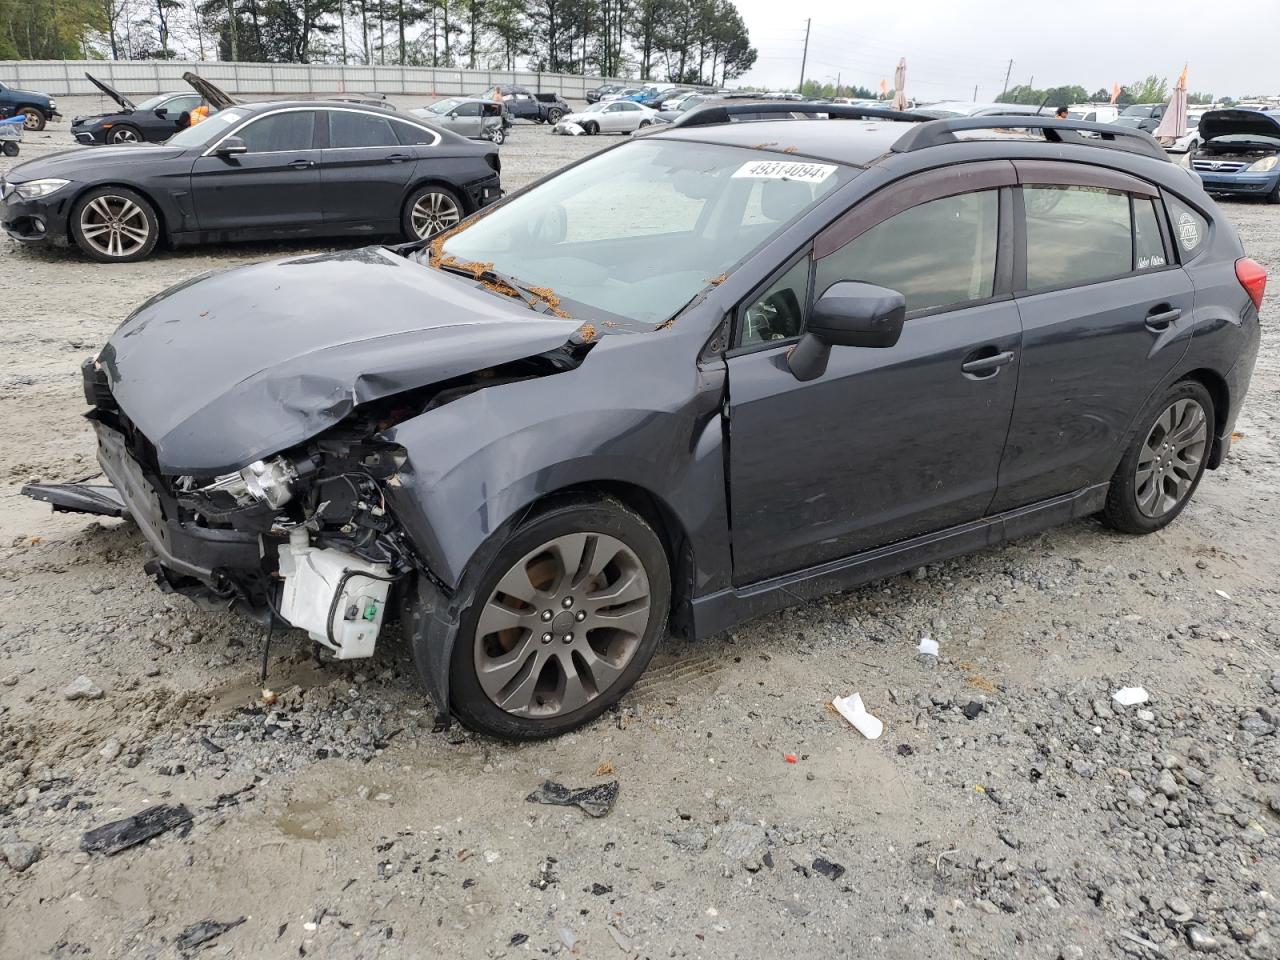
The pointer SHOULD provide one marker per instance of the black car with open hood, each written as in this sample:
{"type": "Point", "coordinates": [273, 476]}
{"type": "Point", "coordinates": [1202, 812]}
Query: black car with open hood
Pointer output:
{"type": "Point", "coordinates": [154, 120]}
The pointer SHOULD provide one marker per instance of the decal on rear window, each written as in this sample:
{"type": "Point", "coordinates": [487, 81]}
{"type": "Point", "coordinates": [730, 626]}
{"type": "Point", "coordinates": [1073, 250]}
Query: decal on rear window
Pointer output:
{"type": "Point", "coordinates": [1188, 231]}
{"type": "Point", "coordinates": [785, 170]}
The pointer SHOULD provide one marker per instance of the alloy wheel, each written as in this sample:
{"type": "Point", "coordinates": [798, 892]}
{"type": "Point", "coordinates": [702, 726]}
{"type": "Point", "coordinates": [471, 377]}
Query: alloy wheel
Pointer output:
{"type": "Point", "coordinates": [432, 213]}
{"type": "Point", "coordinates": [123, 135]}
{"type": "Point", "coordinates": [1170, 459]}
{"type": "Point", "coordinates": [562, 625]}
{"type": "Point", "coordinates": [114, 226]}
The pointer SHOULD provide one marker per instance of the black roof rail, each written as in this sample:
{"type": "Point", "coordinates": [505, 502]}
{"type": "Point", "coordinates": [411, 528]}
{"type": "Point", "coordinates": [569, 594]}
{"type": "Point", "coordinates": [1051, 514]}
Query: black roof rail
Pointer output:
{"type": "Point", "coordinates": [937, 132]}
{"type": "Point", "coordinates": [711, 113]}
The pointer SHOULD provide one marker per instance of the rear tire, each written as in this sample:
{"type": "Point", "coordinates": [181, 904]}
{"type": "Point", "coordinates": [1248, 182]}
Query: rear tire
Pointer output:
{"type": "Point", "coordinates": [549, 687]}
{"type": "Point", "coordinates": [554, 115]}
{"type": "Point", "coordinates": [1164, 463]}
{"type": "Point", "coordinates": [114, 225]}
{"type": "Point", "coordinates": [429, 210]}
{"type": "Point", "coordinates": [497, 135]}
{"type": "Point", "coordinates": [35, 119]}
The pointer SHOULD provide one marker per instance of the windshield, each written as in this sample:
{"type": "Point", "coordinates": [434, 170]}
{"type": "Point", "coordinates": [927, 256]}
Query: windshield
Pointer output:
{"type": "Point", "coordinates": [594, 107]}
{"type": "Point", "coordinates": [444, 106]}
{"type": "Point", "coordinates": [206, 131]}
{"type": "Point", "coordinates": [1137, 110]}
{"type": "Point", "coordinates": [637, 231]}
{"type": "Point", "coordinates": [152, 102]}
{"type": "Point", "coordinates": [688, 103]}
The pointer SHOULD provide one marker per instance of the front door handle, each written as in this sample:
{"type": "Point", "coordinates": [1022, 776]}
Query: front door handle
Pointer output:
{"type": "Point", "coordinates": [301, 164]}
{"type": "Point", "coordinates": [399, 157]}
{"type": "Point", "coordinates": [1160, 317]}
{"type": "Point", "coordinates": [985, 366]}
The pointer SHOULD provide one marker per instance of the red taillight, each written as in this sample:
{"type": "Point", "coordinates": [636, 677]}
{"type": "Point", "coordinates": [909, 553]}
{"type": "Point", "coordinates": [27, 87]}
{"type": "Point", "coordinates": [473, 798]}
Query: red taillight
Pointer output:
{"type": "Point", "coordinates": [1253, 278]}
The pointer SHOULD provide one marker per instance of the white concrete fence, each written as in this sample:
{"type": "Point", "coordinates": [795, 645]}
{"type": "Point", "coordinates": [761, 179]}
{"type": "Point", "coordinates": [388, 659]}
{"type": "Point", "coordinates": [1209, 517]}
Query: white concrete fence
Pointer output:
{"type": "Point", "coordinates": [60, 78]}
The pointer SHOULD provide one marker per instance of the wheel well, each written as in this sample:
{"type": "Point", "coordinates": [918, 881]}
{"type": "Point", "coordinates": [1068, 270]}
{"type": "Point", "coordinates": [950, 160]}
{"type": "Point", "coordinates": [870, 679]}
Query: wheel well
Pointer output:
{"type": "Point", "coordinates": [160, 217]}
{"type": "Point", "coordinates": [659, 516]}
{"type": "Point", "coordinates": [1218, 391]}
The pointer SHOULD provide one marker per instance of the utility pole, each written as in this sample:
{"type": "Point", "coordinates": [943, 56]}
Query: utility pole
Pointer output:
{"type": "Point", "coordinates": [1006, 80]}
{"type": "Point", "coordinates": [804, 58]}
{"type": "Point", "coordinates": [837, 83]}
{"type": "Point", "coordinates": [975, 93]}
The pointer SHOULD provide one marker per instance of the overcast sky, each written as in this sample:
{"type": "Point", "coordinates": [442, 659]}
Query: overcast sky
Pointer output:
{"type": "Point", "coordinates": [952, 46]}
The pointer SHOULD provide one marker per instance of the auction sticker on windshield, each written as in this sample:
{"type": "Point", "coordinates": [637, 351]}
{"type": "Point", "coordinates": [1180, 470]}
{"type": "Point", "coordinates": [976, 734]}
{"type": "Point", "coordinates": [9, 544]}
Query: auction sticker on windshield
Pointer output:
{"type": "Point", "coordinates": [785, 170]}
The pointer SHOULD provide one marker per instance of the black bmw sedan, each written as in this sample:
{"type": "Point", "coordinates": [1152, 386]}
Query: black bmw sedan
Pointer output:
{"type": "Point", "coordinates": [252, 172]}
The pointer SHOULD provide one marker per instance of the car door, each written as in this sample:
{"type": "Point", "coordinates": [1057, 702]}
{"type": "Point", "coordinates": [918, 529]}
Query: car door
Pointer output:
{"type": "Point", "coordinates": [467, 119]}
{"type": "Point", "coordinates": [1105, 312]}
{"type": "Point", "coordinates": [614, 119]}
{"type": "Point", "coordinates": [166, 124]}
{"type": "Point", "coordinates": [273, 187]}
{"type": "Point", "coordinates": [888, 442]}
{"type": "Point", "coordinates": [364, 169]}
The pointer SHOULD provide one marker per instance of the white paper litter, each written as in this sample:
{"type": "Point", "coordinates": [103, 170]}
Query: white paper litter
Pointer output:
{"type": "Point", "coordinates": [852, 709]}
{"type": "Point", "coordinates": [928, 646]}
{"type": "Point", "coordinates": [1130, 696]}
{"type": "Point", "coordinates": [1223, 594]}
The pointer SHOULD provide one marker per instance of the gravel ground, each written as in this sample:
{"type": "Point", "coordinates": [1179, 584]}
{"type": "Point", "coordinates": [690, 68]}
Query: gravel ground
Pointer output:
{"type": "Point", "coordinates": [1012, 809]}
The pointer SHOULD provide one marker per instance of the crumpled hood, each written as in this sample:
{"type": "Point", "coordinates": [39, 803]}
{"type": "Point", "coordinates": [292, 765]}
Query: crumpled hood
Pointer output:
{"type": "Point", "coordinates": [1252, 123]}
{"type": "Point", "coordinates": [228, 368]}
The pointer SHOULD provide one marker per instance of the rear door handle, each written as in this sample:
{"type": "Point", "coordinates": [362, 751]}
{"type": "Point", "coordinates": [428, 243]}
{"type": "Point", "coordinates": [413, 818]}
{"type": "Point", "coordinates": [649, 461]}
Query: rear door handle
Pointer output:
{"type": "Point", "coordinates": [984, 366]}
{"type": "Point", "coordinates": [301, 164]}
{"type": "Point", "coordinates": [1159, 319]}
{"type": "Point", "coordinates": [399, 157]}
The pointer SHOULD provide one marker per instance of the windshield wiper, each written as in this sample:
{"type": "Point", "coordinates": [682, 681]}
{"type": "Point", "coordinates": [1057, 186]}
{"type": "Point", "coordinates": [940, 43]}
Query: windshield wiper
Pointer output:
{"type": "Point", "coordinates": [493, 277]}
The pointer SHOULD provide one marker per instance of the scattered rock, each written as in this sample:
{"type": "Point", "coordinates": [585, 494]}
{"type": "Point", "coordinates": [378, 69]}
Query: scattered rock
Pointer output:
{"type": "Point", "coordinates": [1201, 940]}
{"type": "Point", "coordinates": [20, 854]}
{"type": "Point", "coordinates": [82, 688]}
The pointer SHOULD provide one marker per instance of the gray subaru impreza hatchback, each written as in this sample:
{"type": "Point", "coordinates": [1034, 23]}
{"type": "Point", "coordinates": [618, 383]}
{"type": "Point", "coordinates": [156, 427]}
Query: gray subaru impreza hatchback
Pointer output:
{"type": "Point", "coordinates": [719, 369]}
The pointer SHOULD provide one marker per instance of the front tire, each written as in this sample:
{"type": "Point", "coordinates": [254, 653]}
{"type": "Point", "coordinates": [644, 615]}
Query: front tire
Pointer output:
{"type": "Point", "coordinates": [591, 128]}
{"type": "Point", "coordinates": [33, 119]}
{"type": "Point", "coordinates": [124, 134]}
{"type": "Point", "coordinates": [564, 619]}
{"type": "Point", "coordinates": [114, 225]}
{"type": "Point", "coordinates": [1164, 463]}
{"type": "Point", "coordinates": [1274, 195]}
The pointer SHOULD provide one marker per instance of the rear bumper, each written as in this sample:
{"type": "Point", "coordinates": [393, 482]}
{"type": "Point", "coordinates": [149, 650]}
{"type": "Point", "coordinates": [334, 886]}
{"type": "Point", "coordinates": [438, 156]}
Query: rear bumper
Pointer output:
{"type": "Point", "coordinates": [481, 193]}
{"type": "Point", "coordinates": [1241, 184]}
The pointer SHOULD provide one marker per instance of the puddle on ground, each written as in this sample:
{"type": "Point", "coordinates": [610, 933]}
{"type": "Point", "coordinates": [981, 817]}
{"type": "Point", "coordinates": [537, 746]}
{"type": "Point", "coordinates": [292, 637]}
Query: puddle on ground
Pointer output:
{"type": "Point", "coordinates": [246, 691]}
{"type": "Point", "coordinates": [310, 820]}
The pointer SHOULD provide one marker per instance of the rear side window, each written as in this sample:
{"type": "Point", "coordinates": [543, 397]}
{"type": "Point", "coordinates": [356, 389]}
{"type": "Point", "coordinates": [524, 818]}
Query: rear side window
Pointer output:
{"type": "Point", "coordinates": [1148, 245]}
{"type": "Point", "coordinates": [350, 129]}
{"type": "Point", "coordinates": [411, 135]}
{"type": "Point", "coordinates": [1190, 228]}
{"type": "Point", "coordinates": [280, 132]}
{"type": "Point", "coordinates": [1076, 235]}
{"type": "Point", "coordinates": [941, 253]}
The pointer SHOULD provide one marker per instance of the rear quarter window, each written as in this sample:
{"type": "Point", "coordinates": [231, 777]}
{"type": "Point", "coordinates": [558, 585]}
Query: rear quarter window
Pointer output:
{"type": "Point", "coordinates": [1190, 228]}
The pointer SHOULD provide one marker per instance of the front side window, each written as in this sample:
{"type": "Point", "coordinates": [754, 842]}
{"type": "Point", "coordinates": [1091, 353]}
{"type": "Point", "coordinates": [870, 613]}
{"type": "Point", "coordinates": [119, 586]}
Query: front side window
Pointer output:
{"type": "Point", "coordinates": [1076, 235]}
{"type": "Point", "coordinates": [347, 128]}
{"type": "Point", "coordinates": [938, 254]}
{"type": "Point", "coordinates": [638, 231]}
{"type": "Point", "coordinates": [778, 313]}
{"type": "Point", "coordinates": [468, 109]}
{"type": "Point", "coordinates": [278, 132]}
{"type": "Point", "coordinates": [181, 105]}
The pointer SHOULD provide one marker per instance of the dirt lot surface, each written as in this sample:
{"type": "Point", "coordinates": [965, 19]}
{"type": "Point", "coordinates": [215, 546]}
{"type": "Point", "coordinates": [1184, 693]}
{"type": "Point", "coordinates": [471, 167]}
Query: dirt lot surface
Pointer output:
{"type": "Point", "coordinates": [1010, 810]}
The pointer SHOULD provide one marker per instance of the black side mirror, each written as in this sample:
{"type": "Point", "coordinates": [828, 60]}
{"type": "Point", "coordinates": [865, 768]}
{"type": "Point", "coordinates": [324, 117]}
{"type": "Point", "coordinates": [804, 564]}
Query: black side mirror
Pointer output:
{"type": "Point", "coordinates": [848, 314]}
{"type": "Point", "coordinates": [231, 147]}
{"type": "Point", "coordinates": [161, 112]}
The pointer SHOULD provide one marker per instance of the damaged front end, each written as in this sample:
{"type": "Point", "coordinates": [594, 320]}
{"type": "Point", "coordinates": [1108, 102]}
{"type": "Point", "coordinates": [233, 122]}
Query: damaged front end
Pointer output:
{"type": "Point", "coordinates": [306, 535]}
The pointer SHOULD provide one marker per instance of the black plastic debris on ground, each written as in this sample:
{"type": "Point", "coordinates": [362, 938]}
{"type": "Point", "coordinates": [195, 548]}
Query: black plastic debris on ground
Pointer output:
{"type": "Point", "coordinates": [972, 709]}
{"type": "Point", "coordinates": [595, 801]}
{"type": "Point", "coordinates": [517, 939]}
{"type": "Point", "coordinates": [195, 937]}
{"type": "Point", "coordinates": [832, 871]}
{"type": "Point", "coordinates": [120, 835]}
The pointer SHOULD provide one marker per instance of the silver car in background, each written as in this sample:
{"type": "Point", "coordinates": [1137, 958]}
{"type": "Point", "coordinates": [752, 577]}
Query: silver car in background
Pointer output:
{"type": "Point", "coordinates": [608, 116]}
{"type": "Point", "coordinates": [467, 116]}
